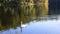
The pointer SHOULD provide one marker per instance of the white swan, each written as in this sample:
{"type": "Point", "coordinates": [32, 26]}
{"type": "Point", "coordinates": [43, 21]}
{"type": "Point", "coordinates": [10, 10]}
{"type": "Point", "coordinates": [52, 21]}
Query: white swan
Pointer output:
{"type": "Point", "coordinates": [23, 25]}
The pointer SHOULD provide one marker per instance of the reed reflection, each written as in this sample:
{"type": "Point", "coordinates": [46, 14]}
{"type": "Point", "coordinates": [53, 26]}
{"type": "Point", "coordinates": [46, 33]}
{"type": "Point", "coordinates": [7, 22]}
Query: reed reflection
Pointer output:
{"type": "Point", "coordinates": [12, 17]}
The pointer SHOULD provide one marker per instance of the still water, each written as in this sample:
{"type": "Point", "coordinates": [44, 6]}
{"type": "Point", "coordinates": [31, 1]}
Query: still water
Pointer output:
{"type": "Point", "coordinates": [49, 25]}
{"type": "Point", "coordinates": [29, 19]}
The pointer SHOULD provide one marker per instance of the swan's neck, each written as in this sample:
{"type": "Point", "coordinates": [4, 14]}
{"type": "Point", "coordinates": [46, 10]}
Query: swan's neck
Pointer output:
{"type": "Point", "coordinates": [21, 22]}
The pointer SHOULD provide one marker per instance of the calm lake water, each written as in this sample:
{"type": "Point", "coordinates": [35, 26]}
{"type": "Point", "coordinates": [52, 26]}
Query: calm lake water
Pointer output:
{"type": "Point", "coordinates": [37, 19]}
{"type": "Point", "coordinates": [47, 25]}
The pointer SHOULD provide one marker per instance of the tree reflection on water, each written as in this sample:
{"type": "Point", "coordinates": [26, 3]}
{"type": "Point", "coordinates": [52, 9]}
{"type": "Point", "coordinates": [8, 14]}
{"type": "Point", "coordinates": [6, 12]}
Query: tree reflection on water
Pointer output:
{"type": "Point", "coordinates": [11, 16]}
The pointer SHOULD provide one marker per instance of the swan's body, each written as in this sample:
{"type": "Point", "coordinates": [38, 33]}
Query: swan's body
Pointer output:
{"type": "Point", "coordinates": [23, 25]}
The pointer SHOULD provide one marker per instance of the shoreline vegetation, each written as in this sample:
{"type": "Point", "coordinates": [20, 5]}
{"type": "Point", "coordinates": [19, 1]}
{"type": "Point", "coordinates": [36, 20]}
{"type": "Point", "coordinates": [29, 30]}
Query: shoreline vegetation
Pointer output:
{"type": "Point", "coordinates": [13, 12]}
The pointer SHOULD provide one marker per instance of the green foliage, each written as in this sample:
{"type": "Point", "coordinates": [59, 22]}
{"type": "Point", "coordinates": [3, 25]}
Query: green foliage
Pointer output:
{"type": "Point", "coordinates": [13, 14]}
